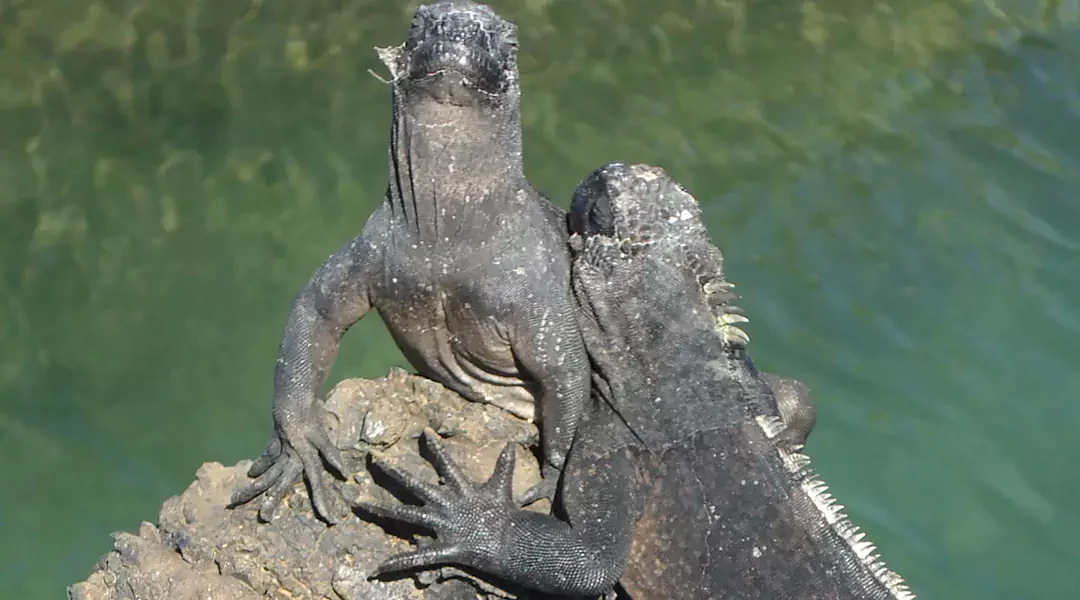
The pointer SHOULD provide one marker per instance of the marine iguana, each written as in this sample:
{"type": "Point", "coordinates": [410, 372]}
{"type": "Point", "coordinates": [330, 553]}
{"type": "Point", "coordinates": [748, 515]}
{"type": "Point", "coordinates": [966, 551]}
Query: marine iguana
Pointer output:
{"type": "Point", "coordinates": [790, 399]}
{"type": "Point", "coordinates": [673, 487]}
{"type": "Point", "coordinates": [466, 263]}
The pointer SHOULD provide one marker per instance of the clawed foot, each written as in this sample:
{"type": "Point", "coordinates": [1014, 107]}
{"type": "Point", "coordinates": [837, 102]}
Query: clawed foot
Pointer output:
{"type": "Point", "coordinates": [469, 520]}
{"type": "Point", "coordinates": [549, 484]}
{"type": "Point", "coordinates": [290, 454]}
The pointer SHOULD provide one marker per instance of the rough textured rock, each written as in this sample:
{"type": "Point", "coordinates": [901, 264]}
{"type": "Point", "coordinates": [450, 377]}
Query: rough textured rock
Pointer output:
{"type": "Point", "coordinates": [201, 549]}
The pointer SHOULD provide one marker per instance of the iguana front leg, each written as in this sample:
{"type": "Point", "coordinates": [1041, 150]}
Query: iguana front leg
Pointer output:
{"type": "Point", "coordinates": [550, 349]}
{"type": "Point", "coordinates": [332, 300]}
{"type": "Point", "coordinates": [481, 527]}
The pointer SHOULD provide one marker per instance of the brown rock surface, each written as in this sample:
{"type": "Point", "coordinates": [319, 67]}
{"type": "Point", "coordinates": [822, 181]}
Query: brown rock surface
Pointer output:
{"type": "Point", "coordinates": [202, 550]}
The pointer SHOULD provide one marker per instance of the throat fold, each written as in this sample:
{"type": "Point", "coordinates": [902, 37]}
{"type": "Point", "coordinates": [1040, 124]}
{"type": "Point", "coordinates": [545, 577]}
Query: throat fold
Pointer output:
{"type": "Point", "coordinates": [448, 160]}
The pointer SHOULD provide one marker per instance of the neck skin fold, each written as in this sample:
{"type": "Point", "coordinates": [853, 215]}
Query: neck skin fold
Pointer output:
{"type": "Point", "coordinates": [447, 159]}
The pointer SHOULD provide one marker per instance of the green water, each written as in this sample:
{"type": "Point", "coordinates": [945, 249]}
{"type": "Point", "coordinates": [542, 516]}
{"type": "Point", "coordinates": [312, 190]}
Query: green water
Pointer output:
{"type": "Point", "coordinates": [894, 184]}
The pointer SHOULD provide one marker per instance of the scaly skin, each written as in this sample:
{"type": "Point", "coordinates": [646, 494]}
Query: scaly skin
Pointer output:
{"type": "Point", "coordinates": [465, 262]}
{"type": "Point", "coordinates": [592, 214]}
{"type": "Point", "coordinates": [675, 486]}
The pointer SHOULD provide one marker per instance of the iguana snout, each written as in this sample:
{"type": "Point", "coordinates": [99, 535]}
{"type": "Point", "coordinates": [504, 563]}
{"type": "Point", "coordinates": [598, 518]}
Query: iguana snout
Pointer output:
{"type": "Point", "coordinates": [459, 46]}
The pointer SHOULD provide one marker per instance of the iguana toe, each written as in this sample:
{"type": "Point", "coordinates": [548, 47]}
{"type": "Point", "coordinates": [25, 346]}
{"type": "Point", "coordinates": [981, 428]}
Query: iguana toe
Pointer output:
{"type": "Point", "coordinates": [265, 478]}
{"type": "Point", "coordinates": [468, 519]}
{"type": "Point", "coordinates": [290, 456]}
{"type": "Point", "coordinates": [545, 489]}
{"type": "Point", "coordinates": [444, 463]}
{"type": "Point", "coordinates": [288, 471]}
{"type": "Point", "coordinates": [267, 460]}
{"type": "Point", "coordinates": [436, 554]}
{"type": "Point", "coordinates": [324, 500]}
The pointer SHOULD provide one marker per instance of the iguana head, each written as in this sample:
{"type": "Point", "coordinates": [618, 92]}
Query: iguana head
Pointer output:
{"type": "Point", "coordinates": [629, 210]}
{"type": "Point", "coordinates": [457, 52]}
{"type": "Point", "coordinates": [634, 203]}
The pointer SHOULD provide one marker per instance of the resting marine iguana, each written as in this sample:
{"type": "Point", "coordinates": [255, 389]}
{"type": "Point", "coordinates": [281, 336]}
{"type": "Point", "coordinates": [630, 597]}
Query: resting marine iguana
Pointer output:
{"type": "Point", "coordinates": [790, 399]}
{"type": "Point", "coordinates": [465, 262]}
{"type": "Point", "coordinates": [673, 487]}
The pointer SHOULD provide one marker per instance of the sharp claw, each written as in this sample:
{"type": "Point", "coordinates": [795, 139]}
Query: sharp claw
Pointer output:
{"type": "Point", "coordinates": [262, 483]}
{"type": "Point", "coordinates": [543, 490]}
{"type": "Point", "coordinates": [432, 555]}
{"type": "Point", "coordinates": [414, 515]}
{"type": "Point", "coordinates": [269, 457]}
{"type": "Point", "coordinates": [283, 463]}
{"type": "Point", "coordinates": [502, 479]}
{"type": "Point", "coordinates": [531, 495]}
{"type": "Point", "coordinates": [270, 503]}
{"type": "Point", "coordinates": [428, 494]}
{"type": "Point", "coordinates": [319, 500]}
{"type": "Point", "coordinates": [312, 466]}
{"type": "Point", "coordinates": [372, 508]}
{"type": "Point", "coordinates": [444, 464]}
{"type": "Point", "coordinates": [290, 472]}
{"type": "Point", "coordinates": [335, 460]}
{"type": "Point", "coordinates": [260, 465]}
{"type": "Point", "coordinates": [329, 451]}
{"type": "Point", "coordinates": [377, 510]}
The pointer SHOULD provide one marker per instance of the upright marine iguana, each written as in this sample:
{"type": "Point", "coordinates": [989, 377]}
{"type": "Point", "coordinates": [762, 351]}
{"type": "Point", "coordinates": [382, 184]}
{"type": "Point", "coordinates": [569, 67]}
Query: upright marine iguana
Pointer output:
{"type": "Point", "coordinates": [465, 262]}
{"type": "Point", "coordinates": [673, 486]}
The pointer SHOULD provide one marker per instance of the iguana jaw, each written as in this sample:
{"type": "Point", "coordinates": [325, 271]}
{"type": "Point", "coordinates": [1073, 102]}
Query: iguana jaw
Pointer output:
{"type": "Point", "coordinates": [455, 137]}
{"type": "Point", "coordinates": [458, 52]}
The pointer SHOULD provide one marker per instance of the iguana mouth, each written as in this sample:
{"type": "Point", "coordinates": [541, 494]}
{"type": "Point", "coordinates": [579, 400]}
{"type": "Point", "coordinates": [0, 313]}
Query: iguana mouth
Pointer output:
{"type": "Point", "coordinates": [460, 46]}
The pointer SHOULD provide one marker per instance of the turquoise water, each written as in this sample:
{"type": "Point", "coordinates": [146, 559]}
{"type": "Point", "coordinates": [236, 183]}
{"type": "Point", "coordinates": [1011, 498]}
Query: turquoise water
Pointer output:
{"type": "Point", "coordinates": [893, 183]}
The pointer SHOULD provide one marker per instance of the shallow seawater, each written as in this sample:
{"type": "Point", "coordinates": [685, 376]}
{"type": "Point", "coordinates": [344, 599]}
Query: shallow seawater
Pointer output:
{"type": "Point", "coordinates": [894, 185]}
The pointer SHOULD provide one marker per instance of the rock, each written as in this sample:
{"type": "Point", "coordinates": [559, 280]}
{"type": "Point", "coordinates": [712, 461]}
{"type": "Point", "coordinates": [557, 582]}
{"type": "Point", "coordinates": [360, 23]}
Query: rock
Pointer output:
{"type": "Point", "coordinates": [200, 549]}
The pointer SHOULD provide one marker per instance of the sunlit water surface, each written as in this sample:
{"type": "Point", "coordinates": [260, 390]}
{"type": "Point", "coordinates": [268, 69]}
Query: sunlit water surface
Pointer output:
{"type": "Point", "coordinates": [893, 183]}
